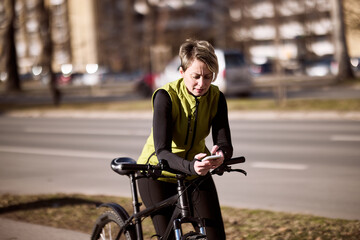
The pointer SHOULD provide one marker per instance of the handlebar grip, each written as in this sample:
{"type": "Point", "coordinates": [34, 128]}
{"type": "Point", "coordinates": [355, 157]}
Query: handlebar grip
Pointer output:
{"type": "Point", "coordinates": [235, 160]}
{"type": "Point", "coordinates": [132, 167]}
{"type": "Point", "coordinates": [125, 166]}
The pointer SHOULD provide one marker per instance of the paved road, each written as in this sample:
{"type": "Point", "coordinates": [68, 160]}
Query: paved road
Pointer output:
{"type": "Point", "coordinates": [307, 166]}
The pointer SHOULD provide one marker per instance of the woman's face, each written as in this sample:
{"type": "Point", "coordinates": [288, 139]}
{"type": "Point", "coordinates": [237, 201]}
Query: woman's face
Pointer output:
{"type": "Point", "coordinates": [197, 78]}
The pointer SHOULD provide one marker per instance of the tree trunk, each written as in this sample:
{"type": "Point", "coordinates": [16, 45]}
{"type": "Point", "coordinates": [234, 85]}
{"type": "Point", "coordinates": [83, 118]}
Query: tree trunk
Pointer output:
{"type": "Point", "coordinates": [341, 49]}
{"type": "Point", "coordinates": [280, 87]}
{"type": "Point", "coordinates": [13, 81]}
{"type": "Point", "coordinates": [48, 49]}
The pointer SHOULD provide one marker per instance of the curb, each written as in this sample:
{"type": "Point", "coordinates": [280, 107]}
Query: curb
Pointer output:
{"type": "Point", "coordinates": [233, 115]}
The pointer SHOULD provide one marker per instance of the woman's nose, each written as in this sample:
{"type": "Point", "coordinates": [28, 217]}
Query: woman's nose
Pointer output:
{"type": "Point", "coordinates": [201, 81]}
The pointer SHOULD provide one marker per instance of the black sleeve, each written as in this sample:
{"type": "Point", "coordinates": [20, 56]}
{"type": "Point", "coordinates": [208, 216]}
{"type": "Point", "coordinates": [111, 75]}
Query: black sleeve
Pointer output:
{"type": "Point", "coordinates": [220, 128]}
{"type": "Point", "coordinates": [162, 133]}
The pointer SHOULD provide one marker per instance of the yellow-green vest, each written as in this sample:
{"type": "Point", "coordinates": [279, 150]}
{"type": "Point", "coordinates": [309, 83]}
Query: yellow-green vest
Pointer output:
{"type": "Point", "coordinates": [190, 128]}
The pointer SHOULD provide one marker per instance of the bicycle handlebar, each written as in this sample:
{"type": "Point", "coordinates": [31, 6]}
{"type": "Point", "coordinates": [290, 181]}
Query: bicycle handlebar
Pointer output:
{"type": "Point", "coordinates": [235, 160]}
{"type": "Point", "coordinates": [126, 166]}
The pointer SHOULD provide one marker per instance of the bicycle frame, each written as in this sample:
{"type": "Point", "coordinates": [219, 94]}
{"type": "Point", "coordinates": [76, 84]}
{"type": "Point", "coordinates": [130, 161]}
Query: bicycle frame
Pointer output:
{"type": "Point", "coordinates": [180, 216]}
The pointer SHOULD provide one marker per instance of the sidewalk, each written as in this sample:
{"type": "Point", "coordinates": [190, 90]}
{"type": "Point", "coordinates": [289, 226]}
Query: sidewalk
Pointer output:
{"type": "Point", "coordinates": [15, 230]}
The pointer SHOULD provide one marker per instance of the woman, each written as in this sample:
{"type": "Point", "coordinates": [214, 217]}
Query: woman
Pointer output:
{"type": "Point", "coordinates": [184, 111]}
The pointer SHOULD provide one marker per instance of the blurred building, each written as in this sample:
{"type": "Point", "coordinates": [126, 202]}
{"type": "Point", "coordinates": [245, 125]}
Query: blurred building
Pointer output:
{"type": "Point", "coordinates": [130, 35]}
{"type": "Point", "coordinates": [287, 32]}
{"type": "Point", "coordinates": [29, 34]}
{"type": "Point", "coordinates": [36, 43]}
{"type": "Point", "coordinates": [83, 32]}
{"type": "Point", "coordinates": [295, 36]}
{"type": "Point", "coordinates": [283, 29]}
{"type": "Point", "coordinates": [146, 34]}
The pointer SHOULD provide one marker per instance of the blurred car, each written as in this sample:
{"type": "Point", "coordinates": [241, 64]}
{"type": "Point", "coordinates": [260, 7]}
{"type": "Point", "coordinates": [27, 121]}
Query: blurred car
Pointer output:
{"type": "Point", "coordinates": [63, 79]}
{"type": "Point", "coordinates": [3, 76]}
{"type": "Point", "coordinates": [234, 76]}
{"type": "Point", "coordinates": [93, 75]}
{"type": "Point", "coordinates": [355, 63]}
{"type": "Point", "coordinates": [145, 85]}
{"type": "Point", "coordinates": [267, 67]}
{"type": "Point", "coordinates": [321, 67]}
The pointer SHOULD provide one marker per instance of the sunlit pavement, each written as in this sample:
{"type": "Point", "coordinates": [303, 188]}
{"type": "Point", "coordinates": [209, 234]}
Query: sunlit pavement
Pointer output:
{"type": "Point", "coordinates": [11, 230]}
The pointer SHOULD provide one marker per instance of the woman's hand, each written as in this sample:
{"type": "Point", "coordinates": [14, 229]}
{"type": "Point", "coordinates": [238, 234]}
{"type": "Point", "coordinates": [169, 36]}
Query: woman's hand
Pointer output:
{"type": "Point", "coordinates": [217, 162]}
{"type": "Point", "coordinates": [203, 167]}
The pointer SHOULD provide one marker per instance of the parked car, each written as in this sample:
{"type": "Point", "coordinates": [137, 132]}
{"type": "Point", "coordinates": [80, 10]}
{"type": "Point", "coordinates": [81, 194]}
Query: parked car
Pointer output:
{"type": "Point", "coordinates": [234, 76]}
{"type": "Point", "coordinates": [321, 67]}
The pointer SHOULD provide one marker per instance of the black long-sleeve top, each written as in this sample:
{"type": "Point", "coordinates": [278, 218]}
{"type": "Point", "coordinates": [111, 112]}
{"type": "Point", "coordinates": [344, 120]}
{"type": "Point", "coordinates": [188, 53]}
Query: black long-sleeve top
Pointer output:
{"type": "Point", "coordinates": [162, 132]}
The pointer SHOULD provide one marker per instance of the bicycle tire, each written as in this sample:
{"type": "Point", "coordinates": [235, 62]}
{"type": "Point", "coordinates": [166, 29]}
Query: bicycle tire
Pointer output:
{"type": "Point", "coordinates": [194, 235]}
{"type": "Point", "coordinates": [108, 226]}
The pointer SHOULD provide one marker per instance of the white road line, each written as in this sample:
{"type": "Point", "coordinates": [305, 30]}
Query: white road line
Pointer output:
{"type": "Point", "coordinates": [283, 166]}
{"type": "Point", "coordinates": [108, 132]}
{"type": "Point", "coordinates": [345, 138]}
{"type": "Point", "coordinates": [58, 152]}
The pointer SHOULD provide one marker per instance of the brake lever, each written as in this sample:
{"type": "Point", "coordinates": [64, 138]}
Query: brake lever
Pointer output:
{"type": "Point", "coordinates": [239, 170]}
{"type": "Point", "coordinates": [220, 171]}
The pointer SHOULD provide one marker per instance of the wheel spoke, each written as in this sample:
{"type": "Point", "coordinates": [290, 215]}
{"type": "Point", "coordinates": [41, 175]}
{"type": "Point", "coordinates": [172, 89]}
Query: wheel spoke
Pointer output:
{"type": "Point", "coordinates": [110, 227]}
{"type": "Point", "coordinates": [110, 236]}
{"type": "Point", "coordinates": [102, 234]}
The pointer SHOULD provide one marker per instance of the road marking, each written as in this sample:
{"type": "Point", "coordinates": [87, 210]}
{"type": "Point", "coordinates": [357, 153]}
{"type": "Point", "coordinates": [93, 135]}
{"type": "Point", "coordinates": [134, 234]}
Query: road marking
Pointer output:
{"type": "Point", "coordinates": [284, 166]}
{"type": "Point", "coordinates": [345, 138]}
{"type": "Point", "coordinates": [58, 152]}
{"type": "Point", "coordinates": [108, 132]}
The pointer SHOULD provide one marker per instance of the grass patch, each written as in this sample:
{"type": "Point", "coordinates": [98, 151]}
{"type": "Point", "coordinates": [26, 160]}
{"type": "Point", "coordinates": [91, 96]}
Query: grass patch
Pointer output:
{"type": "Point", "coordinates": [79, 212]}
{"type": "Point", "coordinates": [341, 105]}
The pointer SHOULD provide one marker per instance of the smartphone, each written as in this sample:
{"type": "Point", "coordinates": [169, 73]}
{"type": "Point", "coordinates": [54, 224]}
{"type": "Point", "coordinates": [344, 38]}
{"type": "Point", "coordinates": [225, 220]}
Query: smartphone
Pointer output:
{"type": "Point", "coordinates": [211, 157]}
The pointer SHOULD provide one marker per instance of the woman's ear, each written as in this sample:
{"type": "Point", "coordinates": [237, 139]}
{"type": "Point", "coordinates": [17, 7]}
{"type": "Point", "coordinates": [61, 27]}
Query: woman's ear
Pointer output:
{"type": "Point", "coordinates": [182, 72]}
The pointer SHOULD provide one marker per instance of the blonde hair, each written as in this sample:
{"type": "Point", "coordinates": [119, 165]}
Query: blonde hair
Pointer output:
{"type": "Point", "coordinates": [201, 50]}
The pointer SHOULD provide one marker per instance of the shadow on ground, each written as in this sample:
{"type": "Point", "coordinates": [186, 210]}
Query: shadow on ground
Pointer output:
{"type": "Point", "coordinates": [47, 203]}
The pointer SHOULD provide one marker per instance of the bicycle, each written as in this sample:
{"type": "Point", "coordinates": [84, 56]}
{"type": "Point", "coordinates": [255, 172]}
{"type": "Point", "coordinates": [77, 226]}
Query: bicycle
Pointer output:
{"type": "Point", "coordinates": [116, 223]}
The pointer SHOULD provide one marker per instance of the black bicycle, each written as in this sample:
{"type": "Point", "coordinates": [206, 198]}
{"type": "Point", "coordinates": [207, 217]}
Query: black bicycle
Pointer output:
{"type": "Point", "coordinates": [116, 223]}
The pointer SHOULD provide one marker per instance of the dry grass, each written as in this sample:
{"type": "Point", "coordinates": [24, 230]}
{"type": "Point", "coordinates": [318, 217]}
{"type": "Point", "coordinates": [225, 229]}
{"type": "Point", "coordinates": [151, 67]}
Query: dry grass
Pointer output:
{"type": "Point", "coordinates": [79, 212]}
{"type": "Point", "coordinates": [339, 105]}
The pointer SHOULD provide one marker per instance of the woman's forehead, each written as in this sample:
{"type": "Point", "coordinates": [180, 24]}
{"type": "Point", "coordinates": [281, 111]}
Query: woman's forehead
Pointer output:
{"type": "Point", "coordinates": [199, 67]}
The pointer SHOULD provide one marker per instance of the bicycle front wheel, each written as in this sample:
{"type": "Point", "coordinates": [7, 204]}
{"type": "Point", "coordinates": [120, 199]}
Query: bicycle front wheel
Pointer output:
{"type": "Point", "coordinates": [109, 226]}
{"type": "Point", "coordinates": [194, 235]}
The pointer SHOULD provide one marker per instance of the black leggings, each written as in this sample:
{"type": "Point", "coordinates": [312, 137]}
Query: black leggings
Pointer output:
{"type": "Point", "coordinates": [204, 200]}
